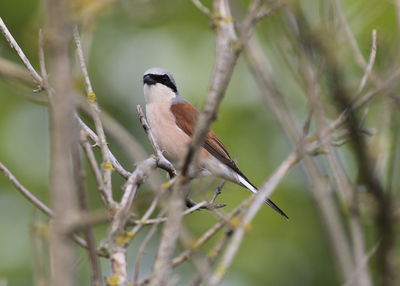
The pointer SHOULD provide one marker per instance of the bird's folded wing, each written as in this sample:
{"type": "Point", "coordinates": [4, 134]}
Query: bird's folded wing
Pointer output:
{"type": "Point", "coordinates": [186, 116]}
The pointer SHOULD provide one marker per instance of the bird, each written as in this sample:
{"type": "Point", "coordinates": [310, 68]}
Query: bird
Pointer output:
{"type": "Point", "coordinates": [172, 120]}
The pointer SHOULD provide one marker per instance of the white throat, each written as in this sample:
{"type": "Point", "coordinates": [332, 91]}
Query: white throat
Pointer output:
{"type": "Point", "coordinates": [158, 93]}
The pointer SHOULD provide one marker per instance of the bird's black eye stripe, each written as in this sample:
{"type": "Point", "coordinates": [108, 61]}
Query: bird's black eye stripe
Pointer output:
{"type": "Point", "coordinates": [165, 80]}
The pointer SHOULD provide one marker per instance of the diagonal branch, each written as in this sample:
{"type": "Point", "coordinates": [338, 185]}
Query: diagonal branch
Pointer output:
{"type": "Point", "coordinates": [25, 192]}
{"type": "Point", "coordinates": [35, 76]}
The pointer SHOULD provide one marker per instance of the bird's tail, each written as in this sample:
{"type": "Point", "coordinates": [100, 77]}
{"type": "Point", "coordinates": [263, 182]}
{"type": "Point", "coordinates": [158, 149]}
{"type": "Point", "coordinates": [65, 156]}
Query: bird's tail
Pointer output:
{"type": "Point", "coordinates": [245, 183]}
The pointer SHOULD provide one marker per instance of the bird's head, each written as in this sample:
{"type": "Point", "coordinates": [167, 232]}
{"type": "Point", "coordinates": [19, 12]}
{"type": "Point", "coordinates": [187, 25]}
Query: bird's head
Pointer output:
{"type": "Point", "coordinates": [159, 85]}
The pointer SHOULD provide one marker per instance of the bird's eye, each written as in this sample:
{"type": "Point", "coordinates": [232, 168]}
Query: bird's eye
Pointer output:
{"type": "Point", "coordinates": [165, 77]}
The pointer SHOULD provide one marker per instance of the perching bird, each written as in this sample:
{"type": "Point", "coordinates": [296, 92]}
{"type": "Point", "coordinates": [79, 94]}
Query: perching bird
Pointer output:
{"type": "Point", "coordinates": [172, 120]}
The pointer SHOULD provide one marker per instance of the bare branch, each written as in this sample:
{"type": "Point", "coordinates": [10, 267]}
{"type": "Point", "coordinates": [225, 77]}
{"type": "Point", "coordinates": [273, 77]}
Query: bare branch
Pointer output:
{"type": "Point", "coordinates": [90, 133]}
{"type": "Point", "coordinates": [217, 192]}
{"type": "Point", "coordinates": [353, 44]}
{"type": "Point", "coordinates": [63, 136]}
{"type": "Point", "coordinates": [25, 192]}
{"type": "Point", "coordinates": [141, 172]}
{"type": "Point", "coordinates": [141, 252]}
{"type": "Point", "coordinates": [164, 219]}
{"type": "Point", "coordinates": [34, 200]}
{"type": "Point", "coordinates": [203, 8]}
{"type": "Point", "coordinates": [15, 71]}
{"type": "Point", "coordinates": [348, 193]}
{"type": "Point", "coordinates": [186, 254]}
{"type": "Point", "coordinates": [79, 175]}
{"type": "Point", "coordinates": [91, 97]}
{"type": "Point", "coordinates": [371, 62]}
{"type": "Point", "coordinates": [213, 255]}
{"type": "Point", "coordinates": [85, 219]}
{"type": "Point", "coordinates": [226, 56]}
{"type": "Point", "coordinates": [35, 76]}
{"type": "Point", "coordinates": [384, 219]}
{"type": "Point", "coordinates": [257, 201]}
{"type": "Point", "coordinates": [162, 162]}
{"type": "Point", "coordinates": [162, 265]}
{"type": "Point", "coordinates": [361, 267]}
{"type": "Point", "coordinates": [266, 10]}
{"type": "Point", "coordinates": [94, 166]}
{"type": "Point", "coordinates": [326, 205]}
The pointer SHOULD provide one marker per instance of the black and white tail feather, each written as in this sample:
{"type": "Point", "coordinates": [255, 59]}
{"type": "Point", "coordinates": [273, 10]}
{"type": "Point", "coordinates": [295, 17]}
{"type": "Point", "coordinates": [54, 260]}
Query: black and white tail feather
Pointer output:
{"type": "Point", "coordinates": [246, 183]}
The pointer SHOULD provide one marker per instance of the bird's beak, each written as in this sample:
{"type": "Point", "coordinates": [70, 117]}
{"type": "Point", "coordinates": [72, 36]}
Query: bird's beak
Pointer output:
{"type": "Point", "coordinates": [147, 79]}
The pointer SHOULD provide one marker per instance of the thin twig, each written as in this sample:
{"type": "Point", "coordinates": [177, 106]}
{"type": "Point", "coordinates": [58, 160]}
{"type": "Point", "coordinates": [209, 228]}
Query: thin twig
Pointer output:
{"type": "Point", "coordinates": [79, 175]}
{"type": "Point", "coordinates": [141, 252]}
{"type": "Point", "coordinates": [266, 10]}
{"type": "Point", "coordinates": [92, 135]}
{"type": "Point", "coordinates": [348, 193]}
{"type": "Point", "coordinates": [217, 192]}
{"type": "Point", "coordinates": [35, 76]}
{"type": "Point", "coordinates": [14, 71]}
{"type": "Point", "coordinates": [204, 9]}
{"type": "Point", "coordinates": [107, 167]}
{"type": "Point", "coordinates": [141, 172]}
{"type": "Point", "coordinates": [93, 165]}
{"type": "Point", "coordinates": [85, 219]}
{"type": "Point", "coordinates": [360, 60]}
{"type": "Point", "coordinates": [25, 192]}
{"type": "Point", "coordinates": [186, 254]}
{"type": "Point", "coordinates": [384, 219]}
{"type": "Point", "coordinates": [362, 265]}
{"type": "Point", "coordinates": [213, 255]}
{"type": "Point", "coordinates": [158, 220]}
{"type": "Point", "coordinates": [162, 162]}
{"type": "Point", "coordinates": [35, 201]}
{"type": "Point", "coordinates": [370, 64]}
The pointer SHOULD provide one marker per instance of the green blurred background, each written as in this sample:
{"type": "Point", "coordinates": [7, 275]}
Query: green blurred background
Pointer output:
{"type": "Point", "coordinates": [128, 38]}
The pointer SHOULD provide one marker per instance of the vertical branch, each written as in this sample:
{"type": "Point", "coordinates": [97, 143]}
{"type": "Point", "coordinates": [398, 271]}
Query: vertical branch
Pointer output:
{"type": "Point", "coordinates": [169, 238]}
{"type": "Point", "coordinates": [94, 111]}
{"type": "Point", "coordinates": [40, 251]}
{"type": "Point", "coordinates": [226, 57]}
{"type": "Point", "coordinates": [63, 137]}
{"type": "Point", "coordinates": [141, 252]}
{"type": "Point", "coordinates": [79, 175]}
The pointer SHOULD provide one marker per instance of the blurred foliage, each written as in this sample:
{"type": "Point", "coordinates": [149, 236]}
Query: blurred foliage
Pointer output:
{"type": "Point", "coordinates": [127, 38]}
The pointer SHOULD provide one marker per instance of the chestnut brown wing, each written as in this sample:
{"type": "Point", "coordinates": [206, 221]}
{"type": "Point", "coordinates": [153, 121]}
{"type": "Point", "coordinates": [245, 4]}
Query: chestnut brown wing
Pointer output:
{"type": "Point", "coordinates": [186, 116]}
